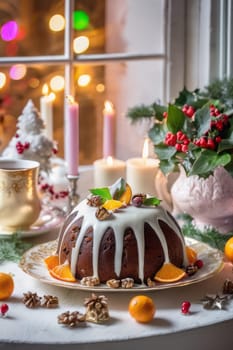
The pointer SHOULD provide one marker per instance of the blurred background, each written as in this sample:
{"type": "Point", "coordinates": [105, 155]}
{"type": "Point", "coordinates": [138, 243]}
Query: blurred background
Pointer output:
{"type": "Point", "coordinates": [126, 51]}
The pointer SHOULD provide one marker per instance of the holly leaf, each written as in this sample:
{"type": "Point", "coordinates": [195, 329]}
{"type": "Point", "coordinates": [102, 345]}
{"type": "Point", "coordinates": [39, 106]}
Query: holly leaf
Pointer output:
{"type": "Point", "coordinates": [175, 119]}
{"type": "Point", "coordinates": [185, 97]}
{"type": "Point", "coordinates": [202, 120]}
{"type": "Point", "coordinates": [159, 110]}
{"type": "Point", "coordinates": [167, 166]}
{"type": "Point", "coordinates": [103, 192]}
{"type": "Point", "coordinates": [164, 151]}
{"type": "Point", "coordinates": [157, 133]}
{"type": "Point", "coordinates": [151, 201]}
{"type": "Point", "coordinates": [207, 161]}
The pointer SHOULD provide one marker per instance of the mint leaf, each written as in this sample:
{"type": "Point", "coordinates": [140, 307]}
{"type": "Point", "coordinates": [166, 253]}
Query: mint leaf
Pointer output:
{"type": "Point", "coordinates": [103, 192]}
{"type": "Point", "coordinates": [152, 201]}
{"type": "Point", "coordinates": [175, 119]}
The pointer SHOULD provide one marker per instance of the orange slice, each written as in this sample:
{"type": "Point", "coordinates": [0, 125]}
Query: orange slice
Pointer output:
{"type": "Point", "coordinates": [62, 272]}
{"type": "Point", "coordinates": [142, 308]}
{"type": "Point", "coordinates": [51, 261]}
{"type": "Point", "coordinates": [127, 195]}
{"type": "Point", "coordinates": [112, 204]}
{"type": "Point", "coordinates": [191, 255]}
{"type": "Point", "coordinates": [169, 273]}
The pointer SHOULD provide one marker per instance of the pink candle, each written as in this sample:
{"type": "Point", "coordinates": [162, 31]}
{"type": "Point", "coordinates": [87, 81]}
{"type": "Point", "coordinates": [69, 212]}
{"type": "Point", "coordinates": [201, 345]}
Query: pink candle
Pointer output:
{"type": "Point", "coordinates": [72, 136]}
{"type": "Point", "coordinates": [108, 130]}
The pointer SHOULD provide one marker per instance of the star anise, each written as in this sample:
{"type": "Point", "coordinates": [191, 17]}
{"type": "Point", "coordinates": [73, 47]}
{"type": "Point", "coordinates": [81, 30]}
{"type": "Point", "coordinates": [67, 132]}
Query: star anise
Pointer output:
{"type": "Point", "coordinates": [215, 301]}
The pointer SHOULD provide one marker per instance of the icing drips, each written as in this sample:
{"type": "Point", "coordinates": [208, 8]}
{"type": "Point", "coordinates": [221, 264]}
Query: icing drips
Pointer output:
{"type": "Point", "coordinates": [122, 219]}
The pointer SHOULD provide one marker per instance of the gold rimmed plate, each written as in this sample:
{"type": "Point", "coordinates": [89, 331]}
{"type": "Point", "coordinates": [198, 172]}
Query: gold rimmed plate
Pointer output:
{"type": "Point", "coordinates": [49, 219]}
{"type": "Point", "coordinates": [33, 264]}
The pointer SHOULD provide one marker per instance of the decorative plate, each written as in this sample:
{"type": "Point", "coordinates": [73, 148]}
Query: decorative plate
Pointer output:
{"type": "Point", "coordinates": [32, 263]}
{"type": "Point", "coordinates": [49, 219]}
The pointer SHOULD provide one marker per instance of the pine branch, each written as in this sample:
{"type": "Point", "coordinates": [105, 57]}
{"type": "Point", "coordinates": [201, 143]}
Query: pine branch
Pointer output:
{"type": "Point", "coordinates": [12, 247]}
{"type": "Point", "coordinates": [139, 112]}
{"type": "Point", "coordinates": [210, 236]}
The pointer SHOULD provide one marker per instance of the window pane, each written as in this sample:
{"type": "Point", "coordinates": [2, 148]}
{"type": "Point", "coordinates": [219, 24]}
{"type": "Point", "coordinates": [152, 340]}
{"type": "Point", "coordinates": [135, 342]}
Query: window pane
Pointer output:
{"type": "Point", "coordinates": [128, 26]}
{"type": "Point", "coordinates": [25, 28]}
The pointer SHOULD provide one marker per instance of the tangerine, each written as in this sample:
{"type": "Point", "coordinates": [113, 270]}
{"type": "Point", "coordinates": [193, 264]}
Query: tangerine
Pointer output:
{"type": "Point", "coordinates": [191, 255]}
{"type": "Point", "coordinates": [228, 249]}
{"type": "Point", "coordinates": [169, 273]}
{"type": "Point", "coordinates": [142, 308]}
{"type": "Point", "coordinates": [62, 272]}
{"type": "Point", "coordinates": [6, 285]}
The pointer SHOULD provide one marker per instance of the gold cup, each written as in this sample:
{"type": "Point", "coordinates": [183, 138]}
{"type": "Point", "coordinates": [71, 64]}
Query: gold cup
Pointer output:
{"type": "Point", "coordinates": [20, 205]}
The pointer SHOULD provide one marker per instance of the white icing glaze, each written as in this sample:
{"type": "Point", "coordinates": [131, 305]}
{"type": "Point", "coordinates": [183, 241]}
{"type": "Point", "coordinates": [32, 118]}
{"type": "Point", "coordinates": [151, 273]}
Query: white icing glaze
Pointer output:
{"type": "Point", "coordinates": [123, 218]}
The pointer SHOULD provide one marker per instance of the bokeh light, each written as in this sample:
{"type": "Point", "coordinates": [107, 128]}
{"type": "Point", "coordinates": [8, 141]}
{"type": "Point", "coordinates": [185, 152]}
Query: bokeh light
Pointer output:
{"type": "Point", "coordinates": [80, 20]}
{"type": "Point", "coordinates": [9, 31]}
{"type": "Point", "coordinates": [34, 83]}
{"type": "Point", "coordinates": [84, 80]}
{"type": "Point", "coordinates": [57, 23]}
{"type": "Point", "coordinates": [18, 71]}
{"type": "Point", "coordinates": [2, 80]}
{"type": "Point", "coordinates": [57, 83]}
{"type": "Point", "coordinates": [100, 88]}
{"type": "Point", "coordinates": [80, 44]}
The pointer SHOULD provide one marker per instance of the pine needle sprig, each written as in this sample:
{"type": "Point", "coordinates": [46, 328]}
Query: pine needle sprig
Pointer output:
{"type": "Point", "coordinates": [209, 235]}
{"type": "Point", "coordinates": [12, 247]}
{"type": "Point", "coordinates": [140, 112]}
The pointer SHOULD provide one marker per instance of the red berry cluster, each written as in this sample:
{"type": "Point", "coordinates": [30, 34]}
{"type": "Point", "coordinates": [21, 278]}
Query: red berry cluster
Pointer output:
{"type": "Point", "coordinates": [179, 140]}
{"type": "Point", "coordinates": [218, 123]}
{"type": "Point", "coordinates": [188, 110]}
{"type": "Point", "coordinates": [21, 147]}
{"type": "Point", "coordinates": [49, 189]}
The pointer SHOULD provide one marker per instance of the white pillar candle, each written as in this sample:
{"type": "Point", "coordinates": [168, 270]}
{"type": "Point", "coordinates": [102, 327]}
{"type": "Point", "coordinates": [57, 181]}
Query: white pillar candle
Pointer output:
{"type": "Point", "coordinates": [72, 136]}
{"type": "Point", "coordinates": [108, 130]}
{"type": "Point", "coordinates": [107, 171]}
{"type": "Point", "coordinates": [140, 172]}
{"type": "Point", "coordinates": [46, 111]}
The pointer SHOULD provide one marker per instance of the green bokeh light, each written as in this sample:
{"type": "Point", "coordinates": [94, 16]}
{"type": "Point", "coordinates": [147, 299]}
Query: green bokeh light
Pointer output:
{"type": "Point", "coordinates": [80, 20]}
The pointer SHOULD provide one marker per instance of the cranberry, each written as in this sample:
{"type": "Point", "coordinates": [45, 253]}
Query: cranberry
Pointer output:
{"type": "Point", "coordinates": [199, 263]}
{"type": "Point", "coordinates": [185, 307]}
{"type": "Point", "coordinates": [138, 200]}
{"type": "Point", "coordinates": [4, 308]}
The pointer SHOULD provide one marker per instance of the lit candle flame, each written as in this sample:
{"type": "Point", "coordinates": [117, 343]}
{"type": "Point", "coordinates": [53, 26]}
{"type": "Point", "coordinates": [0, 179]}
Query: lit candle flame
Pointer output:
{"type": "Point", "coordinates": [145, 150]}
{"type": "Point", "coordinates": [108, 106]}
{"type": "Point", "coordinates": [70, 99]}
{"type": "Point", "coordinates": [45, 89]}
{"type": "Point", "coordinates": [51, 96]}
{"type": "Point", "coordinates": [109, 160]}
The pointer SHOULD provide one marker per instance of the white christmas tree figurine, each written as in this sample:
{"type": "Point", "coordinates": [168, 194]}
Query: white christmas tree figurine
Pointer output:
{"type": "Point", "coordinates": [30, 141]}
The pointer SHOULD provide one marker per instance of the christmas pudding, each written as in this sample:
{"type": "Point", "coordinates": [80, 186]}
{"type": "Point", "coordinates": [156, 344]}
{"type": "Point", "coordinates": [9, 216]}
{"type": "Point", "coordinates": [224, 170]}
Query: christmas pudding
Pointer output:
{"type": "Point", "coordinates": [112, 237]}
